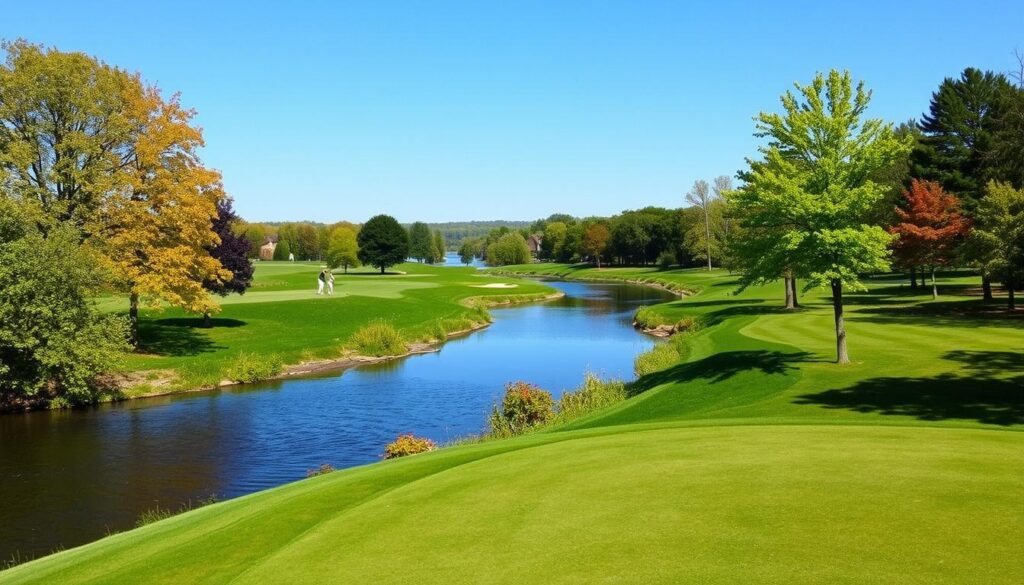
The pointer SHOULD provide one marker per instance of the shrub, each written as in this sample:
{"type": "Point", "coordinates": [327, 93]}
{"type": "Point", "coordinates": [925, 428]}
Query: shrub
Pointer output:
{"type": "Point", "coordinates": [378, 339]}
{"type": "Point", "coordinates": [249, 367]}
{"type": "Point", "coordinates": [648, 318]}
{"type": "Point", "coordinates": [408, 444]}
{"type": "Point", "coordinates": [663, 355]}
{"type": "Point", "coordinates": [666, 259]}
{"type": "Point", "coordinates": [595, 393]}
{"type": "Point", "coordinates": [524, 406]}
{"type": "Point", "coordinates": [324, 469]}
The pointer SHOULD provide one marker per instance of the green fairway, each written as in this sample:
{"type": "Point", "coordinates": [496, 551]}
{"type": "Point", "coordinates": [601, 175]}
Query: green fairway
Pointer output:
{"type": "Point", "coordinates": [281, 315]}
{"type": "Point", "coordinates": [754, 459]}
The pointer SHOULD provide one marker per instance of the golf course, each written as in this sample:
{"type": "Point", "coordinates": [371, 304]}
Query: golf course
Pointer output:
{"type": "Point", "coordinates": [750, 456]}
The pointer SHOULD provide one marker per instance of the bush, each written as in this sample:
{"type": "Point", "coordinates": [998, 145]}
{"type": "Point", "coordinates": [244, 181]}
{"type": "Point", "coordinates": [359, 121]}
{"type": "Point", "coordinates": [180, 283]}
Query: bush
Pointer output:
{"type": "Point", "coordinates": [378, 339]}
{"type": "Point", "coordinates": [648, 318]}
{"type": "Point", "coordinates": [660, 357]}
{"type": "Point", "coordinates": [595, 393]}
{"type": "Point", "coordinates": [408, 444]}
{"type": "Point", "coordinates": [282, 250]}
{"type": "Point", "coordinates": [249, 367]}
{"type": "Point", "coordinates": [666, 259]}
{"type": "Point", "coordinates": [523, 407]}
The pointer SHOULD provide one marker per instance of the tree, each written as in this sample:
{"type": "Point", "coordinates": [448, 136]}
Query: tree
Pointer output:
{"type": "Point", "coordinates": [342, 248]}
{"type": "Point", "coordinates": [420, 242]}
{"type": "Point", "coordinates": [282, 250]}
{"type": "Point", "coordinates": [306, 245]}
{"type": "Point", "coordinates": [255, 233]}
{"type": "Point", "coordinates": [467, 251]}
{"type": "Point", "coordinates": [439, 246]}
{"type": "Point", "coordinates": [553, 240]}
{"type": "Point", "coordinates": [998, 236]}
{"type": "Point", "coordinates": [54, 343]}
{"type": "Point", "coordinates": [233, 254]}
{"type": "Point", "coordinates": [930, 226]}
{"type": "Point", "coordinates": [156, 232]}
{"type": "Point", "coordinates": [811, 193]}
{"type": "Point", "coordinates": [595, 240]}
{"type": "Point", "coordinates": [383, 242]}
{"type": "Point", "coordinates": [509, 249]}
{"type": "Point", "coordinates": [65, 133]}
{"type": "Point", "coordinates": [700, 197]}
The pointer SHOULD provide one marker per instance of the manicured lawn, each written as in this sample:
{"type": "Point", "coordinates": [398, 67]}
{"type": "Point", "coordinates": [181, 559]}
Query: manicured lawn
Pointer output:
{"type": "Point", "coordinates": [754, 459]}
{"type": "Point", "coordinates": [281, 315]}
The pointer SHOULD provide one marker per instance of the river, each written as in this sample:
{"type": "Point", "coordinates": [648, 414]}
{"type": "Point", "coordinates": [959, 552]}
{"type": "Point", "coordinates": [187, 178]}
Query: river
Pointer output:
{"type": "Point", "coordinates": [69, 477]}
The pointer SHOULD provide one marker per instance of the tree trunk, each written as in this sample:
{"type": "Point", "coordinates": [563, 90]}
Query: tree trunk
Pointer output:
{"type": "Point", "coordinates": [842, 356]}
{"type": "Point", "coordinates": [986, 287]}
{"type": "Point", "coordinates": [913, 277]}
{"type": "Point", "coordinates": [935, 287]}
{"type": "Point", "coordinates": [382, 270]}
{"type": "Point", "coordinates": [789, 292]}
{"type": "Point", "coordinates": [1011, 302]}
{"type": "Point", "coordinates": [598, 257]}
{"type": "Point", "coordinates": [207, 323]}
{"type": "Point", "coordinates": [133, 319]}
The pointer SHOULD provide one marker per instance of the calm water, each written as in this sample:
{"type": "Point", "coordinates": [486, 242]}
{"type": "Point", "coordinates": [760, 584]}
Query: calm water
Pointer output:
{"type": "Point", "coordinates": [69, 477]}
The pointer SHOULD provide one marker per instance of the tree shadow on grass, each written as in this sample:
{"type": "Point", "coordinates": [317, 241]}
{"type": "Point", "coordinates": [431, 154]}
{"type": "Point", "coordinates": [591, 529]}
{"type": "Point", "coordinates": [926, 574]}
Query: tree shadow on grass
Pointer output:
{"type": "Point", "coordinates": [722, 366]}
{"type": "Point", "coordinates": [998, 401]}
{"type": "Point", "coordinates": [957, 313]}
{"type": "Point", "coordinates": [180, 336]}
{"type": "Point", "coordinates": [992, 392]}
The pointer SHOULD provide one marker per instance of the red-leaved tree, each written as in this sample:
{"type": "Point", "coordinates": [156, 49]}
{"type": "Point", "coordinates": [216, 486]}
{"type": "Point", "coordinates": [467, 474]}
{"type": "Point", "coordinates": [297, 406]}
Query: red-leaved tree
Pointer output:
{"type": "Point", "coordinates": [930, 227]}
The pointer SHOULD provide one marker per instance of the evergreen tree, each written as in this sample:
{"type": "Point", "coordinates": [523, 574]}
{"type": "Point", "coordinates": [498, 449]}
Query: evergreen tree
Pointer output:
{"type": "Point", "coordinates": [282, 250]}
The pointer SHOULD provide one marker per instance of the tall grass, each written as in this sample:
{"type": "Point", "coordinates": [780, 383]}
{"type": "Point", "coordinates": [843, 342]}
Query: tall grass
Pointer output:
{"type": "Point", "coordinates": [378, 339]}
{"type": "Point", "coordinates": [156, 514]}
{"type": "Point", "coordinates": [662, 356]}
{"type": "Point", "coordinates": [250, 367]}
{"type": "Point", "coordinates": [592, 395]}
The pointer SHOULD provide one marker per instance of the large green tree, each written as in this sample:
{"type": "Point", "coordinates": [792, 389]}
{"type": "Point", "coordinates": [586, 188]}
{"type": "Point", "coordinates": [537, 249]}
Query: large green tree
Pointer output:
{"type": "Point", "coordinates": [383, 242]}
{"type": "Point", "coordinates": [811, 192]}
{"type": "Point", "coordinates": [997, 241]}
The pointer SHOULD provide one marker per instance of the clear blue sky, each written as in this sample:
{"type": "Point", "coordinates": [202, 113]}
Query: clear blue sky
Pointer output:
{"type": "Point", "coordinates": [505, 110]}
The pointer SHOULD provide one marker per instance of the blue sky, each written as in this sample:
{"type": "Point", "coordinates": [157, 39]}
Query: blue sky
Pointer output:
{"type": "Point", "coordinates": [505, 110]}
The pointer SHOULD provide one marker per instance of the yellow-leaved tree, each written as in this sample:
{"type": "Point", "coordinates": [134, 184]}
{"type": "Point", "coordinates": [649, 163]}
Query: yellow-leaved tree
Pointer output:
{"type": "Point", "coordinates": [157, 230]}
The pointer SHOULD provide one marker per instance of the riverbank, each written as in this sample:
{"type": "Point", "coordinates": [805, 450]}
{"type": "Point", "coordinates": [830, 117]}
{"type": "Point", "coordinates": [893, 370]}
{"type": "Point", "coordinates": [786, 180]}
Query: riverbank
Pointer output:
{"type": "Point", "coordinates": [352, 359]}
{"type": "Point", "coordinates": [646, 276]}
{"type": "Point", "coordinates": [282, 322]}
{"type": "Point", "coordinates": [751, 447]}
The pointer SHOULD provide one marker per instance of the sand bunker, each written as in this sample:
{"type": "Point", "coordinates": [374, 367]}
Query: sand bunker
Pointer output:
{"type": "Point", "coordinates": [496, 285]}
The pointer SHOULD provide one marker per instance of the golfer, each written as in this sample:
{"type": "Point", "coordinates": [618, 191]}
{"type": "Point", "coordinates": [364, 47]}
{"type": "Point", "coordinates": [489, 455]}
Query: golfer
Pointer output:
{"type": "Point", "coordinates": [321, 279]}
{"type": "Point", "coordinates": [330, 282]}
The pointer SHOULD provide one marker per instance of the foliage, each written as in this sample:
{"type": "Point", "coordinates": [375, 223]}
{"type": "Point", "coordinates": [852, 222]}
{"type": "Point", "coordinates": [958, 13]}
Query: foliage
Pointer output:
{"type": "Point", "coordinates": [343, 248]}
{"type": "Point", "coordinates": [594, 241]}
{"type": "Point", "coordinates": [806, 202]}
{"type": "Point", "coordinates": [232, 252]}
{"type": "Point", "coordinates": [420, 242]}
{"type": "Point", "coordinates": [408, 444]}
{"type": "Point", "coordinates": [438, 248]}
{"type": "Point", "coordinates": [53, 342]}
{"type": "Point", "coordinates": [467, 251]}
{"type": "Point", "coordinates": [955, 149]}
{"type": "Point", "coordinates": [383, 242]}
{"type": "Point", "coordinates": [930, 226]}
{"type": "Point", "coordinates": [65, 132]}
{"type": "Point", "coordinates": [282, 250]}
{"type": "Point", "coordinates": [666, 259]}
{"type": "Point", "coordinates": [998, 236]}
{"type": "Point", "coordinates": [378, 339]}
{"type": "Point", "coordinates": [509, 249]}
{"type": "Point", "coordinates": [249, 368]}
{"type": "Point", "coordinates": [524, 406]}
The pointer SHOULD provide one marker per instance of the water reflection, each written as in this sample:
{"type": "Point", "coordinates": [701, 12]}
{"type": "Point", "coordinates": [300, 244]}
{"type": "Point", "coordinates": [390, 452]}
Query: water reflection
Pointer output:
{"type": "Point", "coordinates": [70, 477]}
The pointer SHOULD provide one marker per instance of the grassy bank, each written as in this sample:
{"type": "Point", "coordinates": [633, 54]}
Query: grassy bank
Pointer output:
{"type": "Point", "coordinates": [751, 458]}
{"type": "Point", "coordinates": [282, 321]}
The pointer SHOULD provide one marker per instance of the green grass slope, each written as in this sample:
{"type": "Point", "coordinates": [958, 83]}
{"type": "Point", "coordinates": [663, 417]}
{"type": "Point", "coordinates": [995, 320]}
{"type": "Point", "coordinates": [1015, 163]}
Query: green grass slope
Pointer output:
{"type": "Point", "coordinates": [754, 459]}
